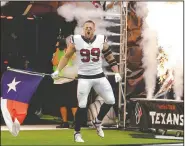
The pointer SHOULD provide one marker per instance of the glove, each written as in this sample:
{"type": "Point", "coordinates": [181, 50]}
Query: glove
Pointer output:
{"type": "Point", "coordinates": [117, 77]}
{"type": "Point", "coordinates": [55, 74]}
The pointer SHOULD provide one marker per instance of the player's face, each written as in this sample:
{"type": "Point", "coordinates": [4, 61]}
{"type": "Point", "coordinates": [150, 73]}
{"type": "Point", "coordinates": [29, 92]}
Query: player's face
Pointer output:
{"type": "Point", "coordinates": [89, 29]}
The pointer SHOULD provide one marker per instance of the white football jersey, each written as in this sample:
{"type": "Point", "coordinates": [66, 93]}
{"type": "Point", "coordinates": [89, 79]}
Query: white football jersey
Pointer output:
{"type": "Point", "coordinates": [89, 54]}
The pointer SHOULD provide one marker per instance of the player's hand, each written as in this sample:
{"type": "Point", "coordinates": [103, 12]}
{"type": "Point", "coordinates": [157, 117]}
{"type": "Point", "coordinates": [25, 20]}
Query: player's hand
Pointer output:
{"type": "Point", "coordinates": [117, 77]}
{"type": "Point", "coordinates": [55, 74]}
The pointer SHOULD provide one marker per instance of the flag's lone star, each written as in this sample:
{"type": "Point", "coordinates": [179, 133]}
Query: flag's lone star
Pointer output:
{"type": "Point", "coordinates": [12, 85]}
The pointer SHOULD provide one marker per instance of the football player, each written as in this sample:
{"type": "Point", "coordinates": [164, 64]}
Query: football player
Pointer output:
{"type": "Point", "coordinates": [89, 49]}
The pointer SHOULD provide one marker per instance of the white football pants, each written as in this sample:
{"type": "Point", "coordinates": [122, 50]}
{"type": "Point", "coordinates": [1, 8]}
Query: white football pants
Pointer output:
{"type": "Point", "coordinates": [100, 85]}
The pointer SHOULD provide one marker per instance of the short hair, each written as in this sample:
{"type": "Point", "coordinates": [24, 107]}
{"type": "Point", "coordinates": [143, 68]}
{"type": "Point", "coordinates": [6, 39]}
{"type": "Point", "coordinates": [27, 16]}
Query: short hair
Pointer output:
{"type": "Point", "coordinates": [89, 21]}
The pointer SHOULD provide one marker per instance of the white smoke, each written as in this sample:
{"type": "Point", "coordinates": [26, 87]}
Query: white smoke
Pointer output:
{"type": "Point", "coordinates": [175, 10]}
{"type": "Point", "coordinates": [81, 14]}
{"type": "Point", "coordinates": [178, 81]}
{"type": "Point", "coordinates": [149, 46]}
{"type": "Point", "coordinates": [166, 19]}
{"type": "Point", "coordinates": [3, 3]}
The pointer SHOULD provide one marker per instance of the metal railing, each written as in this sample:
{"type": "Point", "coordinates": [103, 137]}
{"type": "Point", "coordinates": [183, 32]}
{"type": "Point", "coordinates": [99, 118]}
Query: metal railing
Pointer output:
{"type": "Point", "coordinates": [123, 61]}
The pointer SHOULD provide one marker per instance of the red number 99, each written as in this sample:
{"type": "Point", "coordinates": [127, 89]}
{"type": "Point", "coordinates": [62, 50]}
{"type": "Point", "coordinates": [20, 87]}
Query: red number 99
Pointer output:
{"type": "Point", "coordinates": [86, 54]}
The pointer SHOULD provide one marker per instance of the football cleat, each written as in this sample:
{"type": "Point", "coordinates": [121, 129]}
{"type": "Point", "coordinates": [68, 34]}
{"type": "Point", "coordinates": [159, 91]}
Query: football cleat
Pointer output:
{"type": "Point", "coordinates": [98, 127]}
{"type": "Point", "coordinates": [78, 137]}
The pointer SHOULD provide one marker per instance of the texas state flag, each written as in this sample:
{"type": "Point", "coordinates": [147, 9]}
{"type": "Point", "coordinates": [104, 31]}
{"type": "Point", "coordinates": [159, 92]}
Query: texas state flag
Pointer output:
{"type": "Point", "coordinates": [17, 88]}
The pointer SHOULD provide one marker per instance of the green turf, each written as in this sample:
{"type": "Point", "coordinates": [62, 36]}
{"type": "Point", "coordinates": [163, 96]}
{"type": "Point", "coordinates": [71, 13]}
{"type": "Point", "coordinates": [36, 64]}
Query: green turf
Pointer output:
{"type": "Point", "coordinates": [65, 137]}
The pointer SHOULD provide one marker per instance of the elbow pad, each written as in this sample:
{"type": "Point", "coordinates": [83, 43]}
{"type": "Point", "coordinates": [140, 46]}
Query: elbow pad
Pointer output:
{"type": "Point", "coordinates": [107, 52]}
{"type": "Point", "coordinates": [112, 62]}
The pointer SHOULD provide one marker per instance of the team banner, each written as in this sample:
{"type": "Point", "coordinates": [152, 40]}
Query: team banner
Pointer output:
{"type": "Point", "coordinates": [157, 113]}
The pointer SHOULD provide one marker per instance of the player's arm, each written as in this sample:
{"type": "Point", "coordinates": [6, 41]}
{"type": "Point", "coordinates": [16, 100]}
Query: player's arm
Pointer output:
{"type": "Point", "coordinates": [109, 57]}
{"type": "Point", "coordinates": [68, 54]}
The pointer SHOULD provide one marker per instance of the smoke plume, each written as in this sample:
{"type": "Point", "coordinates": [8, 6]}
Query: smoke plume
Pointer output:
{"type": "Point", "coordinates": [164, 21]}
{"type": "Point", "coordinates": [82, 14]}
{"type": "Point", "coordinates": [149, 46]}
